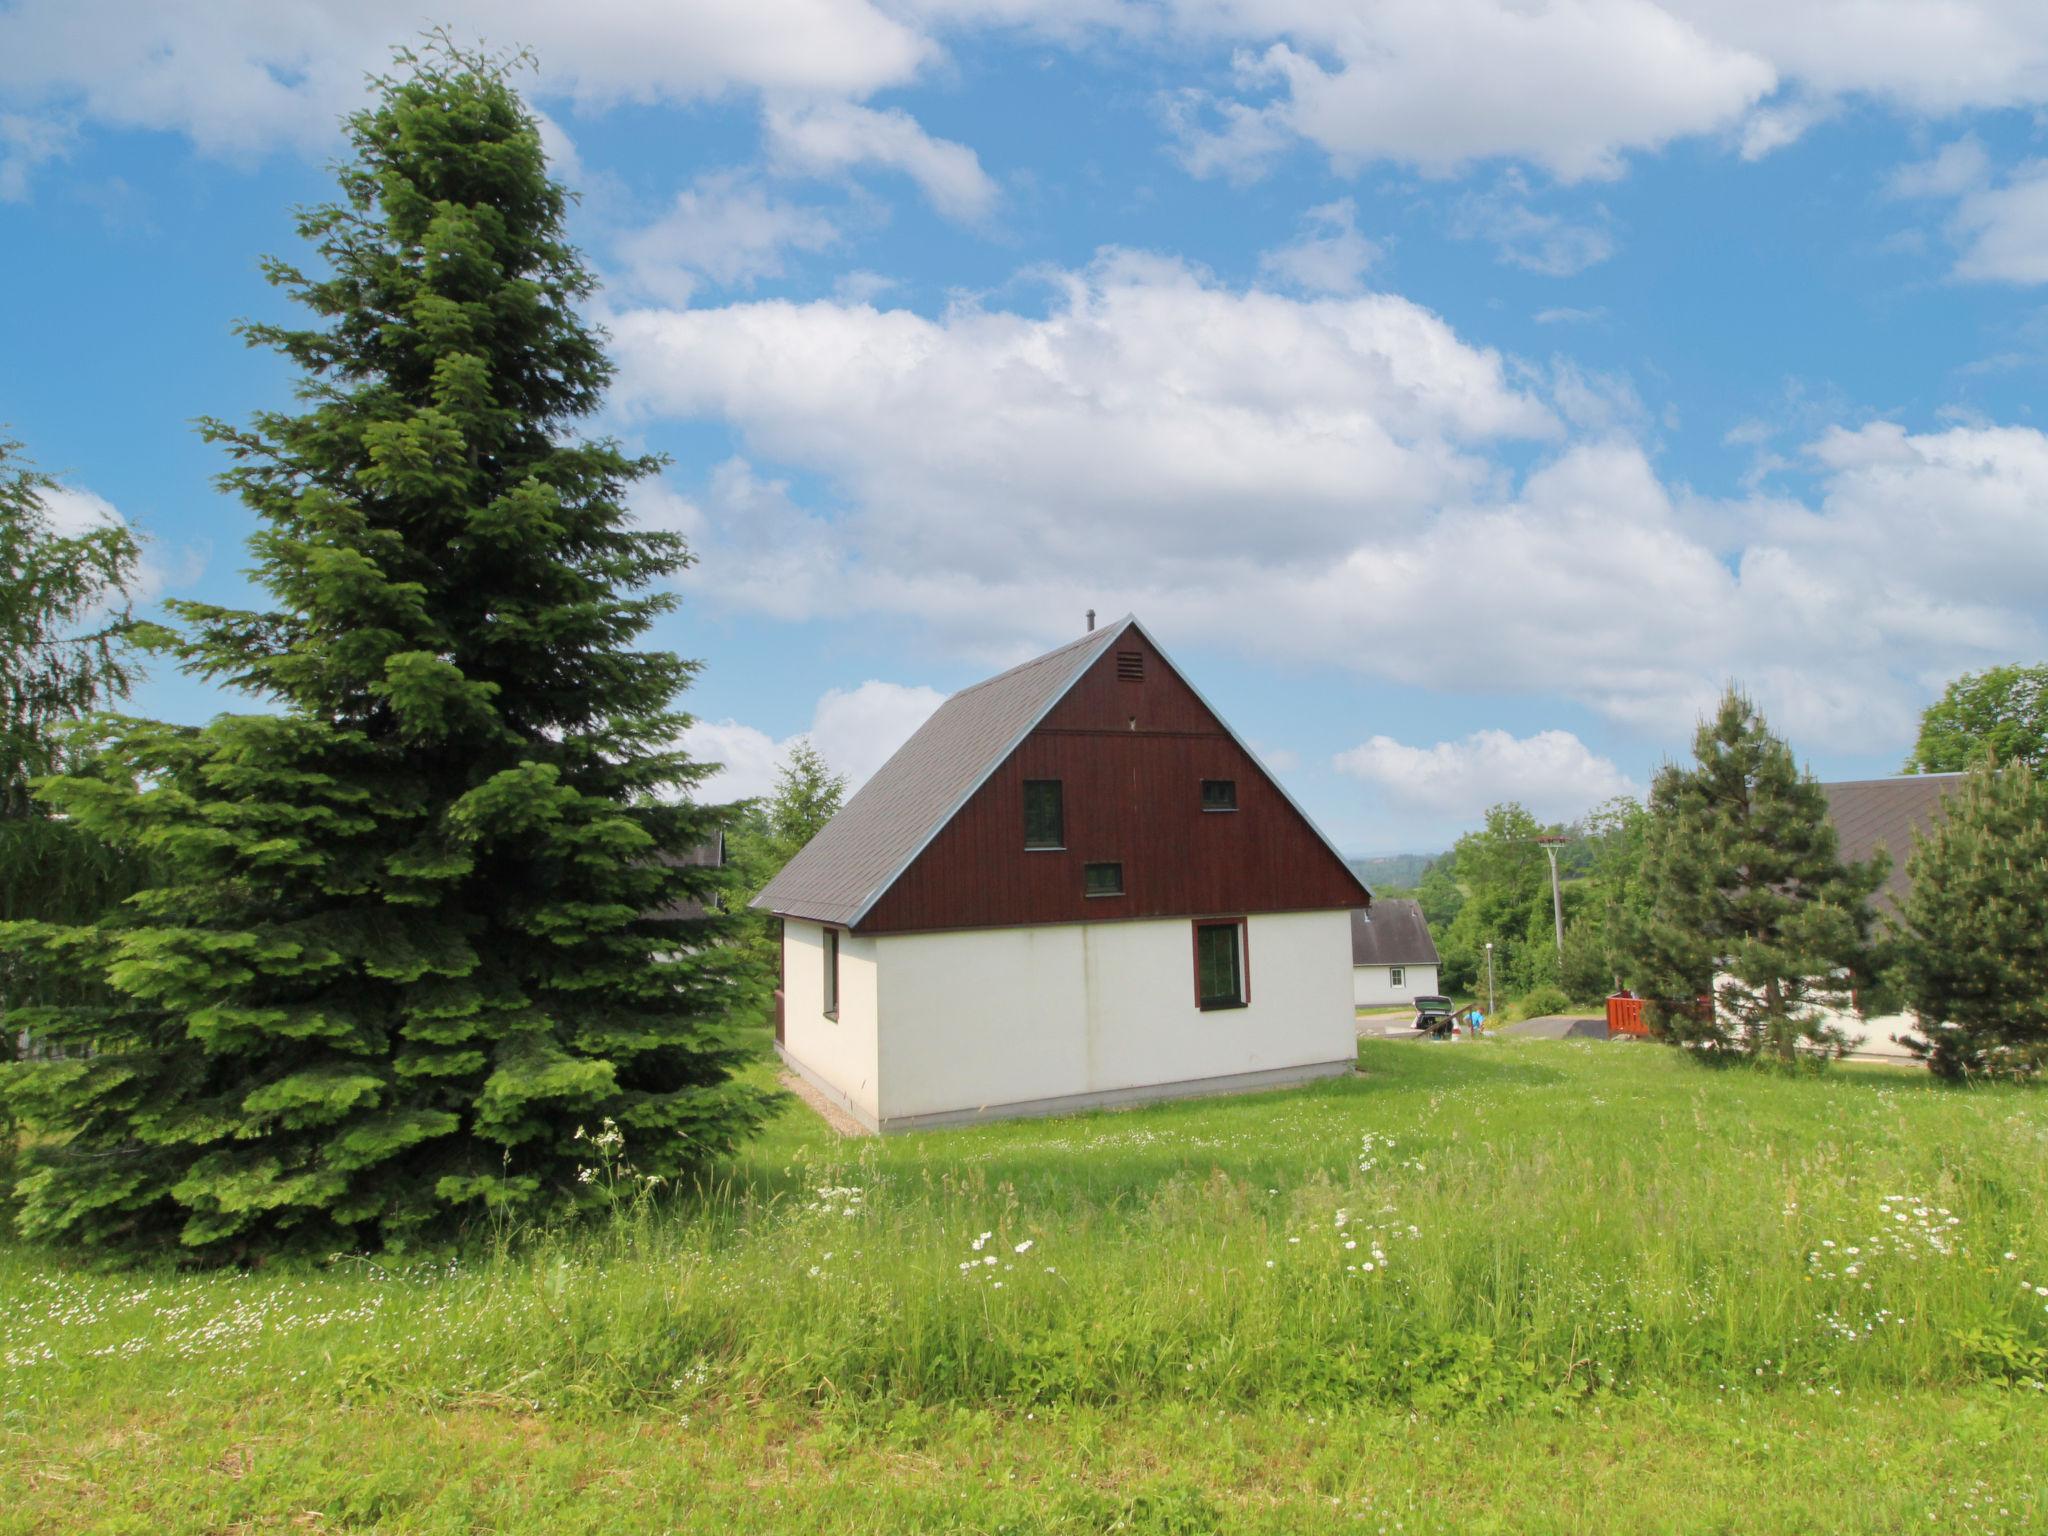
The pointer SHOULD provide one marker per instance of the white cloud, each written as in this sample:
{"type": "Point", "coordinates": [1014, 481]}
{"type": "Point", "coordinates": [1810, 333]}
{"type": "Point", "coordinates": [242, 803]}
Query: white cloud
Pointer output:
{"type": "Point", "coordinates": [825, 138]}
{"type": "Point", "coordinates": [1999, 223]}
{"type": "Point", "coordinates": [725, 228]}
{"type": "Point", "coordinates": [1330, 256]}
{"type": "Point", "coordinates": [1523, 236]}
{"type": "Point", "coordinates": [1118, 438]}
{"type": "Point", "coordinates": [26, 143]}
{"type": "Point", "coordinates": [72, 510]}
{"type": "Point", "coordinates": [1322, 481]}
{"type": "Point", "coordinates": [1576, 86]}
{"type": "Point", "coordinates": [1572, 86]}
{"type": "Point", "coordinates": [1951, 171]}
{"type": "Point", "coordinates": [2004, 229]}
{"type": "Point", "coordinates": [855, 731]}
{"type": "Point", "coordinates": [1553, 773]}
{"type": "Point", "coordinates": [237, 76]}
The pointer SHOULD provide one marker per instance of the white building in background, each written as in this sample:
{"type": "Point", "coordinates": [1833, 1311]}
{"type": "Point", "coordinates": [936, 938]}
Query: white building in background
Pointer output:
{"type": "Point", "coordinates": [1393, 958]}
{"type": "Point", "coordinates": [1073, 887]}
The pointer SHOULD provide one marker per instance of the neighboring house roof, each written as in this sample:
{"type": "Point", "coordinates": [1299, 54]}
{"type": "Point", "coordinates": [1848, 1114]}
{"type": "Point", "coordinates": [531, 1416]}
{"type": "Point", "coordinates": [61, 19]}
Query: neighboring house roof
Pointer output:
{"type": "Point", "coordinates": [1394, 932]}
{"type": "Point", "coordinates": [841, 873]}
{"type": "Point", "coordinates": [709, 854]}
{"type": "Point", "coordinates": [1869, 814]}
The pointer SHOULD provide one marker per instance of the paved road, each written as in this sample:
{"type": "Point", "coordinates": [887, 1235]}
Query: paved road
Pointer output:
{"type": "Point", "coordinates": [1560, 1026]}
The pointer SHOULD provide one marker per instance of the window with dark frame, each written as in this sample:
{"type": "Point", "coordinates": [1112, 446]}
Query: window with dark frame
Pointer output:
{"type": "Point", "coordinates": [1219, 965]}
{"type": "Point", "coordinates": [1102, 879]}
{"type": "Point", "coordinates": [1219, 794]}
{"type": "Point", "coordinates": [832, 973]}
{"type": "Point", "coordinates": [1045, 816]}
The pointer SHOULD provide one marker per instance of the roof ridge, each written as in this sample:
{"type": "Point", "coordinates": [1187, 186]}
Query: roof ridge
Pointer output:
{"type": "Point", "coordinates": [1093, 637]}
{"type": "Point", "coordinates": [1899, 778]}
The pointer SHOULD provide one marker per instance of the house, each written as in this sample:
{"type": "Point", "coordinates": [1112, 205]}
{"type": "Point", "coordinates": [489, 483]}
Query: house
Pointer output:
{"type": "Point", "coordinates": [709, 854]}
{"type": "Point", "coordinates": [1074, 886]}
{"type": "Point", "coordinates": [1393, 958]}
{"type": "Point", "coordinates": [1870, 815]}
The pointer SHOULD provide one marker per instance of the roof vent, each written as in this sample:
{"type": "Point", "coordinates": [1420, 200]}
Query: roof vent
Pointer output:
{"type": "Point", "coordinates": [1130, 666]}
{"type": "Point", "coordinates": [1091, 621]}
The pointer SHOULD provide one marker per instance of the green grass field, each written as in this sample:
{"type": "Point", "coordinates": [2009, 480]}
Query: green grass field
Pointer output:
{"type": "Point", "coordinates": [1510, 1286]}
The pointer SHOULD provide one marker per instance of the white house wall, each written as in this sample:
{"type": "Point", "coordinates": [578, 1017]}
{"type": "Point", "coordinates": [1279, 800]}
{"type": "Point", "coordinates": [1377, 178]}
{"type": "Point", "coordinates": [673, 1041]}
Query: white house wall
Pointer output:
{"type": "Point", "coordinates": [1067, 1015]}
{"type": "Point", "coordinates": [837, 1055]}
{"type": "Point", "coordinates": [1372, 986]}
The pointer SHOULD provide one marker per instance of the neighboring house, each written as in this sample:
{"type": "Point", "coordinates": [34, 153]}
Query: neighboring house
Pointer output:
{"type": "Point", "coordinates": [1393, 958]}
{"type": "Point", "coordinates": [1074, 886]}
{"type": "Point", "coordinates": [1869, 816]}
{"type": "Point", "coordinates": [709, 854]}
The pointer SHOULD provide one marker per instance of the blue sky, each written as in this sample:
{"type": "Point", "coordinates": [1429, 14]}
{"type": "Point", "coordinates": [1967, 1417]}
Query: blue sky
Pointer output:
{"type": "Point", "coordinates": [1463, 392]}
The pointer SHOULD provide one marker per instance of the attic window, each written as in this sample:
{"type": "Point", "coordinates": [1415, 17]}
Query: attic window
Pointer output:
{"type": "Point", "coordinates": [1102, 879]}
{"type": "Point", "coordinates": [1045, 823]}
{"type": "Point", "coordinates": [1219, 794]}
{"type": "Point", "coordinates": [1130, 666]}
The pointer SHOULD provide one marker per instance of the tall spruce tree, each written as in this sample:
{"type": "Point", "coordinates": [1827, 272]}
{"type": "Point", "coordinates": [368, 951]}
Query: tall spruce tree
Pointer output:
{"type": "Point", "coordinates": [1973, 949]}
{"type": "Point", "coordinates": [402, 951]}
{"type": "Point", "coordinates": [1743, 896]}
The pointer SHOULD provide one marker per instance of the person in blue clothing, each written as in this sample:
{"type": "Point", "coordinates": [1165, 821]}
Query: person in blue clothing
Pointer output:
{"type": "Point", "coordinates": [1476, 1022]}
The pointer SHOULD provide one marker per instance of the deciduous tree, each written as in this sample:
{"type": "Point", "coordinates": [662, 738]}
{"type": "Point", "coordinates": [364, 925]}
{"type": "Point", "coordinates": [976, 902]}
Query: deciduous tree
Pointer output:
{"type": "Point", "coordinates": [2000, 714]}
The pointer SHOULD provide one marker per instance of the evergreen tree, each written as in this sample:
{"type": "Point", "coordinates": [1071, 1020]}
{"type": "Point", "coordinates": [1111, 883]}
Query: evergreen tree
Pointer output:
{"type": "Point", "coordinates": [1744, 895]}
{"type": "Point", "coordinates": [770, 833]}
{"type": "Point", "coordinates": [807, 795]}
{"type": "Point", "coordinates": [402, 951]}
{"type": "Point", "coordinates": [63, 627]}
{"type": "Point", "coordinates": [1973, 950]}
{"type": "Point", "coordinates": [64, 622]}
{"type": "Point", "coordinates": [1999, 714]}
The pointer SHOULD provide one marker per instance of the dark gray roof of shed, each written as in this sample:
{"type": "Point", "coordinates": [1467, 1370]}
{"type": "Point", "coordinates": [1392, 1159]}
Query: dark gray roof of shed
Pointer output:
{"type": "Point", "coordinates": [845, 869]}
{"type": "Point", "coordinates": [709, 854]}
{"type": "Point", "coordinates": [1869, 814]}
{"type": "Point", "coordinates": [1394, 932]}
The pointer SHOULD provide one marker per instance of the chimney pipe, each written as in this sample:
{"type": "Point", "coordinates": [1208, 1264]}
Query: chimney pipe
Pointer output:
{"type": "Point", "coordinates": [1091, 621]}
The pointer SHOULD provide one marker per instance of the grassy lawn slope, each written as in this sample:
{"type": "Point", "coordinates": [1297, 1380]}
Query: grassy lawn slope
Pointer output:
{"type": "Point", "coordinates": [1515, 1286]}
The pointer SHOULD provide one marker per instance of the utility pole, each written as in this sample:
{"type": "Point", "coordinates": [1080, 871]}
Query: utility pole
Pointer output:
{"type": "Point", "coordinates": [1489, 981]}
{"type": "Point", "coordinates": [1550, 846]}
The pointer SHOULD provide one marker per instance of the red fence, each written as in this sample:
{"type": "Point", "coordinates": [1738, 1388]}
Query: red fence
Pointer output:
{"type": "Point", "coordinates": [1625, 1016]}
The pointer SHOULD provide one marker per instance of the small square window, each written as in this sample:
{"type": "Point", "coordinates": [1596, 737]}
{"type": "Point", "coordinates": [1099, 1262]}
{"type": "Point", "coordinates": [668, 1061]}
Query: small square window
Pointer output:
{"type": "Point", "coordinates": [1102, 879]}
{"type": "Point", "coordinates": [1219, 794]}
{"type": "Point", "coordinates": [1045, 820]}
{"type": "Point", "coordinates": [1396, 976]}
{"type": "Point", "coordinates": [1219, 965]}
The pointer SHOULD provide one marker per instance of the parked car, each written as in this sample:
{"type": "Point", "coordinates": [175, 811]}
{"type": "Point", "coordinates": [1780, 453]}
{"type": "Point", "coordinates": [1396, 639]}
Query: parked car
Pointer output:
{"type": "Point", "coordinates": [1436, 1015]}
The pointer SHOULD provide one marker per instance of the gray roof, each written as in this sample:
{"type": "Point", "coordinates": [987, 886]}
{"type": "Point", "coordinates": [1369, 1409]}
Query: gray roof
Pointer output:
{"type": "Point", "coordinates": [1394, 932]}
{"type": "Point", "coordinates": [845, 869]}
{"type": "Point", "coordinates": [1868, 814]}
{"type": "Point", "coordinates": [709, 854]}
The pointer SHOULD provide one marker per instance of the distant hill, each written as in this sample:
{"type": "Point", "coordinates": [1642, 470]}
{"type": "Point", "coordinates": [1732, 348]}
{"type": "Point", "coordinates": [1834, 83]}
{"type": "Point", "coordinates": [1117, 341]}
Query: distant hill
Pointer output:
{"type": "Point", "coordinates": [1401, 870]}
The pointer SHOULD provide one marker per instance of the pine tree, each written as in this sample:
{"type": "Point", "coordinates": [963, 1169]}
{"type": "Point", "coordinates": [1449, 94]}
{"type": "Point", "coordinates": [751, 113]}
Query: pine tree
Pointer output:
{"type": "Point", "coordinates": [807, 795]}
{"type": "Point", "coordinates": [402, 951]}
{"type": "Point", "coordinates": [64, 622]}
{"type": "Point", "coordinates": [1744, 895]}
{"type": "Point", "coordinates": [1974, 942]}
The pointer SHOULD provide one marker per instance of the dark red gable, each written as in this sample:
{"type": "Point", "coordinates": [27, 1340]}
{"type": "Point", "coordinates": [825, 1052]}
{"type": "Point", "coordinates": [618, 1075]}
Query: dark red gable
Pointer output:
{"type": "Point", "coordinates": [1131, 743]}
